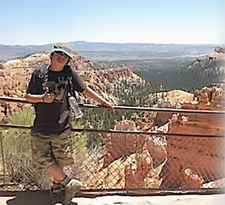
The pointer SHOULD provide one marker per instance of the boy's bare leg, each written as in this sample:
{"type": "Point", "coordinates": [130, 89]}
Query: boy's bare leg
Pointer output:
{"type": "Point", "coordinates": [57, 192]}
{"type": "Point", "coordinates": [56, 172]}
{"type": "Point", "coordinates": [71, 186]}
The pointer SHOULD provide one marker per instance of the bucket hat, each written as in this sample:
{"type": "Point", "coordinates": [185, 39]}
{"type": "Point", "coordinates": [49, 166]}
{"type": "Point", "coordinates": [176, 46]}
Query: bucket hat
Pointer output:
{"type": "Point", "coordinates": [63, 47]}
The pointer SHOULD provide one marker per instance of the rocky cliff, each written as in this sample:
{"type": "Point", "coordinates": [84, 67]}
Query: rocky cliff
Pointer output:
{"type": "Point", "coordinates": [202, 156]}
{"type": "Point", "coordinates": [169, 161]}
{"type": "Point", "coordinates": [207, 68]}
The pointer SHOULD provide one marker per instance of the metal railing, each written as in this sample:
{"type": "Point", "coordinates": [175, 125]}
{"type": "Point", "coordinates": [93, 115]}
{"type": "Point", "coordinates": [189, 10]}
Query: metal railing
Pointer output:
{"type": "Point", "coordinates": [143, 162]}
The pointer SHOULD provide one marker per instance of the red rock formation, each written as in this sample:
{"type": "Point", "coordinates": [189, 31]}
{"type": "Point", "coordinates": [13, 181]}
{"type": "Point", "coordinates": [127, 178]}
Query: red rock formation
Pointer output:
{"type": "Point", "coordinates": [220, 49]}
{"type": "Point", "coordinates": [134, 171]}
{"type": "Point", "coordinates": [202, 155]}
{"type": "Point", "coordinates": [146, 156]}
{"type": "Point", "coordinates": [192, 180]}
{"type": "Point", "coordinates": [135, 174]}
{"type": "Point", "coordinates": [188, 162]}
{"type": "Point", "coordinates": [122, 145]}
{"type": "Point", "coordinates": [171, 99]}
{"type": "Point", "coordinates": [2, 74]}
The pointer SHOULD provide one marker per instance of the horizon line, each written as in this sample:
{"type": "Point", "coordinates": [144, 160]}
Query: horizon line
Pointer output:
{"type": "Point", "coordinates": [96, 42]}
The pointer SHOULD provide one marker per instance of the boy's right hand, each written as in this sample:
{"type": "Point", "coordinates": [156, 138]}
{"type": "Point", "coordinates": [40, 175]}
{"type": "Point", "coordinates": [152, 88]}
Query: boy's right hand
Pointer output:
{"type": "Point", "coordinates": [48, 97]}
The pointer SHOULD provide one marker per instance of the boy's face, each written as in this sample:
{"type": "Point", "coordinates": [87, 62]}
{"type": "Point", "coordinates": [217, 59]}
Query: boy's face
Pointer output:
{"type": "Point", "coordinates": [60, 57]}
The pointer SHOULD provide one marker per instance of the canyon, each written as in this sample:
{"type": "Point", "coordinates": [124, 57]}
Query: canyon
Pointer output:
{"type": "Point", "coordinates": [136, 160]}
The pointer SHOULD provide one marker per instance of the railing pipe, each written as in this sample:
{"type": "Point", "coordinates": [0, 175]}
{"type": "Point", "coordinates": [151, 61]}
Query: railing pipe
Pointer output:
{"type": "Point", "coordinates": [83, 130]}
{"type": "Point", "coordinates": [128, 108]}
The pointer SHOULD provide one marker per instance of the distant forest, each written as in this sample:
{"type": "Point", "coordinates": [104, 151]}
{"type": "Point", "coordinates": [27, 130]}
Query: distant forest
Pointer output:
{"type": "Point", "coordinates": [178, 73]}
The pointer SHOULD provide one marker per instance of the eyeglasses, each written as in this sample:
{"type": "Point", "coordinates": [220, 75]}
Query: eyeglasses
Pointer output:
{"type": "Point", "coordinates": [62, 54]}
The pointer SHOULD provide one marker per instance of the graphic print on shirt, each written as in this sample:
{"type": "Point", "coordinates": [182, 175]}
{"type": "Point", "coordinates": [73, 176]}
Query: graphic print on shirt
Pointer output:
{"type": "Point", "coordinates": [58, 88]}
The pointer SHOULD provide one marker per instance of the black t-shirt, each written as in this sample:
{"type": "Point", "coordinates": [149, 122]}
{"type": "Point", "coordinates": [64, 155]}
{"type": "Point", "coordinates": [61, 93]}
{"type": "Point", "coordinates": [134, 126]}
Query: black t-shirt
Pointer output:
{"type": "Point", "coordinates": [53, 117]}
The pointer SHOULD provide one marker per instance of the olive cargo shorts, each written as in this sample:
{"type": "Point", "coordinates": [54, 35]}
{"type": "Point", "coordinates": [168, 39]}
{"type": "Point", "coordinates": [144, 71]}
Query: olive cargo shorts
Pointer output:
{"type": "Point", "coordinates": [50, 149]}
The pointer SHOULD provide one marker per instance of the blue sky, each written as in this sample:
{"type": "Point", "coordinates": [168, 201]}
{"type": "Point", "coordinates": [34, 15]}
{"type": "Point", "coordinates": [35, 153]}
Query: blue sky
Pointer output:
{"type": "Point", "coordinates": [36, 22]}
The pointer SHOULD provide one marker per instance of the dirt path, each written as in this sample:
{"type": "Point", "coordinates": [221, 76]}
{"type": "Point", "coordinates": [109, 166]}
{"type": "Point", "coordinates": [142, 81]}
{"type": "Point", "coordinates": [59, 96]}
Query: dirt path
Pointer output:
{"type": "Point", "coordinates": [154, 200]}
{"type": "Point", "coordinates": [43, 198]}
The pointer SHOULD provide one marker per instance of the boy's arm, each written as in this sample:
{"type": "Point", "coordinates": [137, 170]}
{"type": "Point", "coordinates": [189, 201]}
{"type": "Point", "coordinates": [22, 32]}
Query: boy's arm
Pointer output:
{"type": "Point", "coordinates": [46, 97]}
{"type": "Point", "coordinates": [96, 97]}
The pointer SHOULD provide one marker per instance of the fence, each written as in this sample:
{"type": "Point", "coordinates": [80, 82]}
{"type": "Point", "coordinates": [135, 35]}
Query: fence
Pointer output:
{"type": "Point", "coordinates": [131, 161]}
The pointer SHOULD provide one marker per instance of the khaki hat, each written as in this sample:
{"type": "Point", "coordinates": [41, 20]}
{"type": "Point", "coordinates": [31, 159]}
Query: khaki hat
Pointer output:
{"type": "Point", "coordinates": [63, 47]}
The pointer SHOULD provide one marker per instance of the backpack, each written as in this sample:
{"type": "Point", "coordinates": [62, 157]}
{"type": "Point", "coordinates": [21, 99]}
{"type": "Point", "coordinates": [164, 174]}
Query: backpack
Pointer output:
{"type": "Point", "coordinates": [42, 74]}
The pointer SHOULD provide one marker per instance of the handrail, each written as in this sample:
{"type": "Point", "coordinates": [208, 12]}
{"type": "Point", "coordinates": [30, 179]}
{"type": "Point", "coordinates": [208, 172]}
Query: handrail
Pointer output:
{"type": "Point", "coordinates": [83, 130]}
{"type": "Point", "coordinates": [128, 108]}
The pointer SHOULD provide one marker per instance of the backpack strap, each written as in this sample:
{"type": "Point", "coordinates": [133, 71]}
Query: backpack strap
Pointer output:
{"type": "Point", "coordinates": [42, 74]}
{"type": "Point", "coordinates": [69, 78]}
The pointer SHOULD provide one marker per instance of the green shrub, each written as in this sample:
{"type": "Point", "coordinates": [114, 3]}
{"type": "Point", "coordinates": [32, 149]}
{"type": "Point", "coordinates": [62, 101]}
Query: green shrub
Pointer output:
{"type": "Point", "coordinates": [17, 151]}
